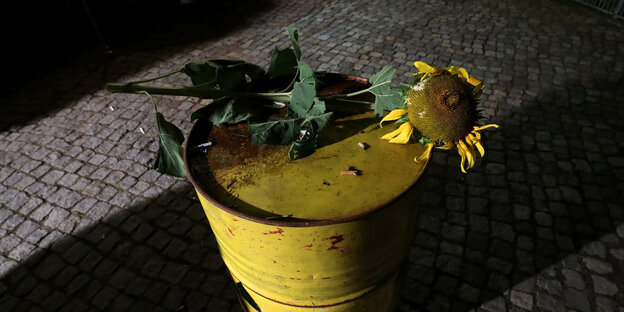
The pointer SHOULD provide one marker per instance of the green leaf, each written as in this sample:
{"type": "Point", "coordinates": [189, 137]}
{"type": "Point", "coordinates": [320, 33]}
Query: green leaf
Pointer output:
{"type": "Point", "coordinates": [306, 74]}
{"type": "Point", "coordinates": [319, 121]}
{"type": "Point", "coordinates": [283, 63]}
{"type": "Point", "coordinates": [424, 140]}
{"type": "Point", "coordinates": [293, 34]}
{"type": "Point", "coordinates": [317, 108]}
{"type": "Point", "coordinates": [382, 77]}
{"type": "Point", "coordinates": [283, 132]}
{"type": "Point", "coordinates": [169, 159]}
{"type": "Point", "coordinates": [386, 98]}
{"type": "Point", "coordinates": [304, 101]}
{"type": "Point", "coordinates": [227, 74]}
{"type": "Point", "coordinates": [234, 77]}
{"type": "Point", "coordinates": [228, 111]}
{"type": "Point", "coordinates": [201, 72]}
{"type": "Point", "coordinates": [303, 96]}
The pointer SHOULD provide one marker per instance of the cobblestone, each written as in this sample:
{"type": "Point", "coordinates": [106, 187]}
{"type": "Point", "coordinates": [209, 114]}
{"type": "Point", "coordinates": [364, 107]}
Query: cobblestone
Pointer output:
{"type": "Point", "coordinates": [537, 225]}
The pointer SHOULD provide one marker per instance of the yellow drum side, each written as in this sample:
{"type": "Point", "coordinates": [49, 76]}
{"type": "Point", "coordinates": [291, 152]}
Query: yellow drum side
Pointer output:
{"type": "Point", "coordinates": [322, 265]}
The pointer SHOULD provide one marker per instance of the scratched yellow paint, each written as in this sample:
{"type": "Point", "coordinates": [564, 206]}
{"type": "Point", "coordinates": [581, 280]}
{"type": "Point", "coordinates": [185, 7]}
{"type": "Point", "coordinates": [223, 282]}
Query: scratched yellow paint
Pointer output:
{"type": "Point", "coordinates": [345, 242]}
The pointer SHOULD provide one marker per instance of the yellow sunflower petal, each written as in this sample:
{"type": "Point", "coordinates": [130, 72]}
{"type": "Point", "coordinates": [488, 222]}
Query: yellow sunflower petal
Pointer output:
{"type": "Point", "coordinates": [462, 153]}
{"type": "Point", "coordinates": [477, 135]}
{"type": "Point", "coordinates": [425, 155]}
{"type": "Point", "coordinates": [476, 141]}
{"type": "Point", "coordinates": [484, 127]}
{"type": "Point", "coordinates": [446, 146]}
{"type": "Point", "coordinates": [475, 82]}
{"type": "Point", "coordinates": [391, 135]}
{"type": "Point", "coordinates": [480, 148]}
{"type": "Point", "coordinates": [403, 137]}
{"type": "Point", "coordinates": [405, 130]}
{"type": "Point", "coordinates": [393, 115]}
{"type": "Point", "coordinates": [459, 71]}
{"type": "Point", "coordinates": [470, 154]}
{"type": "Point", "coordinates": [423, 67]}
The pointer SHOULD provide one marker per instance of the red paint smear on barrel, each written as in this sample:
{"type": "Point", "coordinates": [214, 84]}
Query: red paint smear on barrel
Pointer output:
{"type": "Point", "coordinates": [325, 277]}
{"type": "Point", "coordinates": [279, 231]}
{"type": "Point", "coordinates": [335, 240]}
{"type": "Point", "coordinates": [231, 232]}
{"type": "Point", "coordinates": [235, 219]}
{"type": "Point", "coordinates": [309, 245]}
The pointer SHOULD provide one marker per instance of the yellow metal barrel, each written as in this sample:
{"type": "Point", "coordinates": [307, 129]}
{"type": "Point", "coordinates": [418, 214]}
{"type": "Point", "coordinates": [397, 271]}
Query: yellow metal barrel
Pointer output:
{"type": "Point", "coordinates": [300, 235]}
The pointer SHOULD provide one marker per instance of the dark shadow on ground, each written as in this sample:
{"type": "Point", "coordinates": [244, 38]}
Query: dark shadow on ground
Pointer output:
{"type": "Point", "coordinates": [45, 42]}
{"type": "Point", "coordinates": [157, 254]}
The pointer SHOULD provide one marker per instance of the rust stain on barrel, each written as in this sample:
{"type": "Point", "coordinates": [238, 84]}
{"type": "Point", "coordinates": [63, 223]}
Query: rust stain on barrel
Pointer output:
{"type": "Point", "coordinates": [278, 231]}
{"type": "Point", "coordinates": [335, 240]}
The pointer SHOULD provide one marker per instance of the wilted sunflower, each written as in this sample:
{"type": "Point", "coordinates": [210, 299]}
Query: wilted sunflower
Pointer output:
{"type": "Point", "coordinates": [442, 106]}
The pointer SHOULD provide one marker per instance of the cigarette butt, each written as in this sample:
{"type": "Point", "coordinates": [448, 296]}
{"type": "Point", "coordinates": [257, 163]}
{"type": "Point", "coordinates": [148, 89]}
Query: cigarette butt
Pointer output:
{"type": "Point", "coordinates": [350, 172]}
{"type": "Point", "coordinates": [111, 108]}
{"type": "Point", "coordinates": [362, 145]}
{"type": "Point", "coordinates": [141, 129]}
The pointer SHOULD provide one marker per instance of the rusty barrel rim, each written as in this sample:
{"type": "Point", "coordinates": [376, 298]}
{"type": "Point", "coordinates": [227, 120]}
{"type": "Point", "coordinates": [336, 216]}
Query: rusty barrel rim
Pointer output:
{"type": "Point", "coordinates": [292, 223]}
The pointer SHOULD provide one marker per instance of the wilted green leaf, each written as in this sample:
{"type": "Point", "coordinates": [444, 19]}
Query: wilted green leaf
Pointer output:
{"type": "Point", "coordinates": [227, 74]}
{"type": "Point", "coordinates": [283, 63]}
{"type": "Point", "coordinates": [382, 77]}
{"type": "Point", "coordinates": [306, 74]}
{"type": "Point", "coordinates": [319, 121]}
{"type": "Point", "coordinates": [317, 108]}
{"type": "Point", "coordinates": [283, 132]}
{"type": "Point", "coordinates": [386, 98]}
{"type": "Point", "coordinates": [170, 152]}
{"type": "Point", "coordinates": [201, 72]}
{"type": "Point", "coordinates": [293, 34]}
{"type": "Point", "coordinates": [228, 111]}
{"type": "Point", "coordinates": [302, 99]}
{"type": "Point", "coordinates": [234, 77]}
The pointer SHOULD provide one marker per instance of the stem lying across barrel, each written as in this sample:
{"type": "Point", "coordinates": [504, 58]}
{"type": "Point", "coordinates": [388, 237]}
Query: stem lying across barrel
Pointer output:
{"type": "Point", "coordinates": [199, 92]}
{"type": "Point", "coordinates": [282, 97]}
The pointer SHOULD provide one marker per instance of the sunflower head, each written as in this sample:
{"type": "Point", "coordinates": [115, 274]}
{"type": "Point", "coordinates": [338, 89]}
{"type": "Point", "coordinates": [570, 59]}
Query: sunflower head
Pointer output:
{"type": "Point", "coordinates": [442, 107]}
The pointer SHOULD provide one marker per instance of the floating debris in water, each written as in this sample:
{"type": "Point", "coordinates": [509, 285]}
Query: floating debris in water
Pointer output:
{"type": "Point", "coordinates": [351, 171]}
{"type": "Point", "coordinates": [202, 148]}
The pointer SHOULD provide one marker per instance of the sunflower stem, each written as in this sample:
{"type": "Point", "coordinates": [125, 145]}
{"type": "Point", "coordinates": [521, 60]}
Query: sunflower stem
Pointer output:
{"type": "Point", "coordinates": [195, 92]}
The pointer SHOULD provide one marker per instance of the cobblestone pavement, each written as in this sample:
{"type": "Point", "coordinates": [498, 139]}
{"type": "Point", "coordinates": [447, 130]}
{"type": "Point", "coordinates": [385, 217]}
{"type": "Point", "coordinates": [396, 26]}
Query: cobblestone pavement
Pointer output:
{"type": "Point", "coordinates": [538, 225]}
